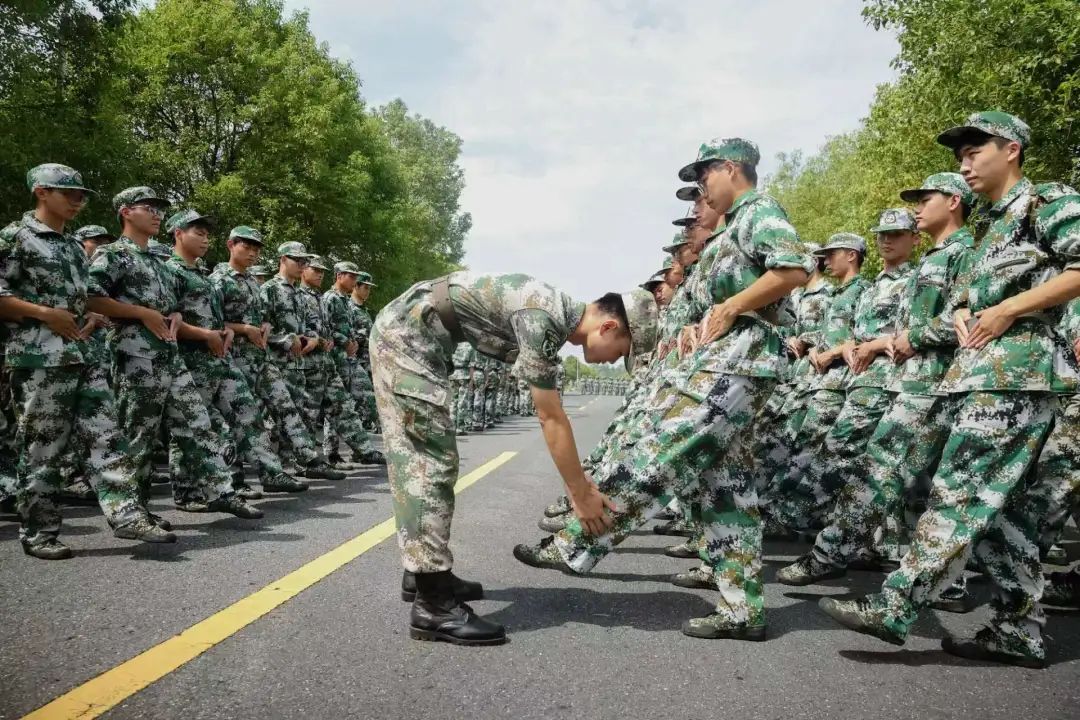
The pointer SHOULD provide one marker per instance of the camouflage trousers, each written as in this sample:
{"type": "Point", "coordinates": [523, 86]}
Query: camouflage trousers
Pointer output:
{"type": "Point", "coordinates": [840, 457]}
{"type": "Point", "coordinates": [979, 502]}
{"type": "Point", "coordinates": [785, 492]}
{"type": "Point", "coordinates": [900, 459]}
{"type": "Point", "coordinates": [480, 416]}
{"type": "Point", "coordinates": [420, 442]}
{"type": "Point", "coordinates": [8, 455]}
{"type": "Point", "coordinates": [66, 417]}
{"type": "Point", "coordinates": [772, 445]}
{"type": "Point", "coordinates": [268, 381]}
{"type": "Point", "coordinates": [700, 447]}
{"type": "Point", "coordinates": [491, 394]}
{"type": "Point", "coordinates": [328, 405]}
{"type": "Point", "coordinates": [525, 401]}
{"type": "Point", "coordinates": [152, 392]}
{"type": "Point", "coordinates": [236, 414]}
{"type": "Point", "coordinates": [357, 381]}
{"type": "Point", "coordinates": [462, 403]}
{"type": "Point", "coordinates": [1057, 475]}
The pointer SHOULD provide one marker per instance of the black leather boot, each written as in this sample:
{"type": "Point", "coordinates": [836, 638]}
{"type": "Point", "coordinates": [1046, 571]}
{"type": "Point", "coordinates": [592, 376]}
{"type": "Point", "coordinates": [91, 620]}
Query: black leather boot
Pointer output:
{"type": "Point", "coordinates": [438, 616]}
{"type": "Point", "coordinates": [464, 590]}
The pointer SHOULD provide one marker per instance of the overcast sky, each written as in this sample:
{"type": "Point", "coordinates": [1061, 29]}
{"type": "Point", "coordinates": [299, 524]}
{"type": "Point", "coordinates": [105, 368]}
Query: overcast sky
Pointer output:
{"type": "Point", "coordinates": [576, 115]}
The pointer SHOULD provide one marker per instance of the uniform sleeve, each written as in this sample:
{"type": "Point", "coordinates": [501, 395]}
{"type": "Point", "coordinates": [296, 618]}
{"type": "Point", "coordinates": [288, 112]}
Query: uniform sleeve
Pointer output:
{"type": "Point", "coordinates": [840, 318]}
{"type": "Point", "coordinates": [775, 241]}
{"type": "Point", "coordinates": [228, 293]}
{"type": "Point", "coordinates": [930, 330]}
{"type": "Point", "coordinates": [279, 340]}
{"type": "Point", "coordinates": [539, 338]}
{"type": "Point", "coordinates": [1057, 223]}
{"type": "Point", "coordinates": [10, 265]}
{"type": "Point", "coordinates": [337, 318]}
{"type": "Point", "coordinates": [106, 271]}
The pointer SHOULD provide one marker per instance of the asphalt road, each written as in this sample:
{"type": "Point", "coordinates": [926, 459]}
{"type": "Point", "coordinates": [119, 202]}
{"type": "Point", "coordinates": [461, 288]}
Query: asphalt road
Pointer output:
{"type": "Point", "coordinates": [601, 646]}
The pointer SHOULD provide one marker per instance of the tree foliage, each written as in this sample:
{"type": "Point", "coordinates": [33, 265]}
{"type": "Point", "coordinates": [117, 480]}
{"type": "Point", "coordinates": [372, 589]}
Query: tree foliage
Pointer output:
{"type": "Point", "coordinates": [956, 57]}
{"type": "Point", "coordinates": [232, 107]}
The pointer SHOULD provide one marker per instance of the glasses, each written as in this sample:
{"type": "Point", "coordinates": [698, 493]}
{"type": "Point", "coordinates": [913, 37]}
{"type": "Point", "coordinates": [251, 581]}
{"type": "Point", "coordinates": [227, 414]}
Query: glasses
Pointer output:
{"type": "Point", "coordinates": [303, 262]}
{"type": "Point", "coordinates": [73, 196]}
{"type": "Point", "coordinates": [158, 212]}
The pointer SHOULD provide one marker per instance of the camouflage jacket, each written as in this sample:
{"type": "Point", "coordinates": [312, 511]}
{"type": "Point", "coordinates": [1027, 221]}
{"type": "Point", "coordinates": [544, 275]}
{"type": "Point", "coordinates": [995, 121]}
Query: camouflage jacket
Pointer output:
{"type": "Point", "coordinates": [810, 308]}
{"type": "Point", "coordinates": [462, 360]}
{"type": "Point", "coordinates": [838, 328]}
{"type": "Point", "coordinates": [309, 300]}
{"type": "Point", "coordinates": [362, 331]}
{"type": "Point", "coordinates": [1034, 233]}
{"type": "Point", "coordinates": [927, 314]}
{"type": "Point", "coordinates": [876, 315]}
{"type": "Point", "coordinates": [44, 267]}
{"type": "Point", "coordinates": [125, 272]}
{"type": "Point", "coordinates": [757, 238]}
{"type": "Point", "coordinates": [281, 308]}
{"type": "Point", "coordinates": [507, 317]}
{"type": "Point", "coordinates": [241, 303]}
{"type": "Point", "coordinates": [199, 304]}
{"type": "Point", "coordinates": [338, 320]}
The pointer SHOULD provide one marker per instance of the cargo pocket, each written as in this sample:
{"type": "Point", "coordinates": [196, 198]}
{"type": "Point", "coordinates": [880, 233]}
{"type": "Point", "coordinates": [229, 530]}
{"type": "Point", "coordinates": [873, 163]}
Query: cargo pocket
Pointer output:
{"type": "Point", "coordinates": [425, 413]}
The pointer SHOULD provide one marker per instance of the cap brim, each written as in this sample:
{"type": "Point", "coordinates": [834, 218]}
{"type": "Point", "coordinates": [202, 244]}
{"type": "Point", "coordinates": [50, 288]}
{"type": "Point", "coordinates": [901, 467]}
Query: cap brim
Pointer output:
{"type": "Point", "coordinates": [956, 136]}
{"type": "Point", "coordinates": [915, 194]}
{"type": "Point", "coordinates": [891, 228]}
{"type": "Point", "coordinates": [67, 187]}
{"type": "Point", "coordinates": [253, 241]}
{"type": "Point", "coordinates": [685, 222]}
{"type": "Point", "coordinates": [371, 284]}
{"type": "Point", "coordinates": [688, 194]}
{"type": "Point", "coordinates": [689, 173]}
{"type": "Point", "coordinates": [672, 248]}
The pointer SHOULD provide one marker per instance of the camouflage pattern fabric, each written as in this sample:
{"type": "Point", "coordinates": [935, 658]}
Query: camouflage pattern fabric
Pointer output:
{"type": "Point", "coordinates": [152, 382]}
{"type": "Point", "coordinates": [411, 352]}
{"type": "Point", "coordinates": [56, 406]}
{"type": "Point", "coordinates": [480, 417]}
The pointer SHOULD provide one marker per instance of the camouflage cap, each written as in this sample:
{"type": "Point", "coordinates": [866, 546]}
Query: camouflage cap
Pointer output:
{"type": "Point", "coordinates": [55, 175]}
{"type": "Point", "coordinates": [259, 271]}
{"type": "Point", "coordinates": [677, 242]}
{"type": "Point", "coordinates": [844, 241]}
{"type": "Point", "coordinates": [690, 193]}
{"type": "Point", "coordinates": [184, 219]}
{"type": "Point", "coordinates": [655, 279]}
{"type": "Point", "coordinates": [685, 222]}
{"type": "Point", "coordinates": [989, 122]}
{"type": "Point", "coordinates": [93, 231]}
{"type": "Point", "coordinates": [733, 149]}
{"type": "Point", "coordinates": [948, 183]}
{"type": "Point", "coordinates": [364, 278]}
{"type": "Point", "coordinates": [319, 263]}
{"type": "Point", "coordinates": [669, 262]}
{"type": "Point", "coordinates": [812, 247]}
{"type": "Point", "coordinates": [895, 219]}
{"type": "Point", "coordinates": [346, 267]}
{"type": "Point", "coordinates": [245, 232]}
{"type": "Point", "coordinates": [293, 249]}
{"type": "Point", "coordinates": [139, 194]}
{"type": "Point", "coordinates": [642, 313]}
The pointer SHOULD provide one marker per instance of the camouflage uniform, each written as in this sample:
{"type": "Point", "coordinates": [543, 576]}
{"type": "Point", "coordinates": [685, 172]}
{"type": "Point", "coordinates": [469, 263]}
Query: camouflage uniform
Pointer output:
{"type": "Point", "coordinates": [223, 387]}
{"type": "Point", "coordinates": [480, 373]}
{"type": "Point", "coordinates": [61, 405]}
{"type": "Point", "coordinates": [909, 439]}
{"type": "Point", "coordinates": [810, 426]}
{"type": "Point", "coordinates": [1006, 398]}
{"type": "Point", "coordinates": [700, 420]}
{"type": "Point", "coordinates": [242, 303]}
{"type": "Point", "coordinates": [361, 387]}
{"type": "Point", "coordinates": [462, 386]}
{"type": "Point", "coordinates": [152, 382]}
{"type": "Point", "coordinates": [512, 317]}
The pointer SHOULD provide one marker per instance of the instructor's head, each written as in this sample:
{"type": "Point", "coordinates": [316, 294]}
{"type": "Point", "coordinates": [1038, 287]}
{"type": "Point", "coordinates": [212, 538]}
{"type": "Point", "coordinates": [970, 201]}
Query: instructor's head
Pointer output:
{"type": "Point", "coordinates": [618, 326]}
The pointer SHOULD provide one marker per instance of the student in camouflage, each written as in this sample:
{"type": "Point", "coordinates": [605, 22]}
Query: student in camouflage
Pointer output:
{"type": "Point", "coordinates": [843, 254]}
{"type": "Point", "coordinates": [841, 456]}
{"type": "Point", "coordinates": [62, 405]}
{"type": "Point", "coordinates": [461, 380]}
{"type": "Point", "coordinates": [205, 344]}
{"type": "Point", "coordinates": [701, 416]}
{"type": "Point", "coordinates": [362, 387]}
{"type": "Point", "coordinates": [908, 441]}
{"type": "Point", "coordinates": [243, 312]}
{"type": "Point", "coordinates": [1004, 379]}
{"type": "Point", "coordinates": [136, 288]}
{"type": "Point", "coordinates": [329, 403]}
{"type": "Point", "coordinates": [509, 317]}
{"type": "Point", "coordinates": [480, 420]}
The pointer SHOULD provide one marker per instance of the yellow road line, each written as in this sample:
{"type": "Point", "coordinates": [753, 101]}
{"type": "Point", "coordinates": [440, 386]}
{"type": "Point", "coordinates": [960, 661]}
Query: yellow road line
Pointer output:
{"type": "Point", "coordinates": [112, 687]}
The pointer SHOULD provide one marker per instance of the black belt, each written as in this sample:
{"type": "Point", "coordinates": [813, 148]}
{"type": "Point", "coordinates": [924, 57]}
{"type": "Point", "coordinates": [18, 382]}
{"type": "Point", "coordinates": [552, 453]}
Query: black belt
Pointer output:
{"type": "Point", "coordinates": [444, 308]}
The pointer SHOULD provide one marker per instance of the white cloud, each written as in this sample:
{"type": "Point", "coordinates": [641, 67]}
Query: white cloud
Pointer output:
{"type": "Point", "coordinates": [577, 114]}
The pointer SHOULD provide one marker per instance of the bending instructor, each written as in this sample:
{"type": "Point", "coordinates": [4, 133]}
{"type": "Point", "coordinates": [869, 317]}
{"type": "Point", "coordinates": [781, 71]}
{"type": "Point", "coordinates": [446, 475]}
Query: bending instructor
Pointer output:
{"type": "Point", "coordinates": [513, 318]}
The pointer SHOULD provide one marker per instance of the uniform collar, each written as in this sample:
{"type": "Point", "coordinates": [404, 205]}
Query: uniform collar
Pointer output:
{"type": "Point", "coordinates": [744, 199]}
{"type": "Point", "coordinates": [31, 223]}
{"type": "Point", "coordinates": [897, 271]}
{"type": "Point", "coordinates": [1022, 187]}
{"type": "Point", "coordinates": [960, 235]}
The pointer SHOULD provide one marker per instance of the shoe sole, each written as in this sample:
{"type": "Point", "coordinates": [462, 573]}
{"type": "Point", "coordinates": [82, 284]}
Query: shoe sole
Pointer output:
{"type": "Point", "coordinates": [841, 619]}
{"type": "Point", "coordinates": [695, 585]}
{"type": "Point", "coordinates": [435, 636]}
{"type": "Point", "coordinates": [681, 555]}
{"type": "Point", "coordinates": [672, 533]}
{"type": "Point", "coordinates": [981, 655]}
{"type": "Point", "coordinates": [410, 596]}
{"type": "Point", "coordinates": [803, 582]}
{"type": "Point", "coordinates": [746, 635]}
{"type": "Point", "coordinates": [284, 490]}
{"type": "Point", "coordinates": [543, 565]}
{"type": "Point", "coordinates": [955, 607]}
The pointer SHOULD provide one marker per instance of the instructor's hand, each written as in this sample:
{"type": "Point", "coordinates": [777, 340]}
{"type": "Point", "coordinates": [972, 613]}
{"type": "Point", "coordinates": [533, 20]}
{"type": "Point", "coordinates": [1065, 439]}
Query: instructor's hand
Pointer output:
{"type": "Point", "coordinates": [591, 508]}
